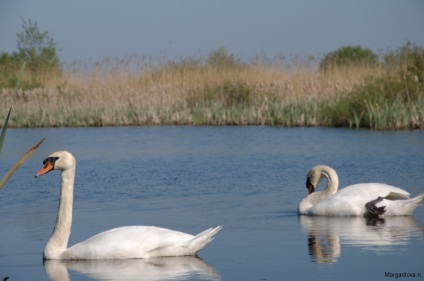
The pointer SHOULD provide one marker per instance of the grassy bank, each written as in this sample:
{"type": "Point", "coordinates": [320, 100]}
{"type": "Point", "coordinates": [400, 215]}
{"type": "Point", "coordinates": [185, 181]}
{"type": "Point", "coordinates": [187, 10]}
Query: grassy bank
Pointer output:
{"type": "Point", "coordinates": [136, 91]}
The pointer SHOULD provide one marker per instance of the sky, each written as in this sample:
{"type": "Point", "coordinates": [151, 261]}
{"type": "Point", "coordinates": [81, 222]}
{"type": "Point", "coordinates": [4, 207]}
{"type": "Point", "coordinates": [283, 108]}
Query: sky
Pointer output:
{"type": "Point", "coordinates": [92, 30]}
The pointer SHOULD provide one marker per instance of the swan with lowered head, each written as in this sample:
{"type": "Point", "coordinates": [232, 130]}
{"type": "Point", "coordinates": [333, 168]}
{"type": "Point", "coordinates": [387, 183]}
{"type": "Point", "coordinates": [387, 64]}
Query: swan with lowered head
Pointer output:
{"type": "Point", "coordinates": [128, 242]}
{"type": "Point", "coordinates": [364, 199]}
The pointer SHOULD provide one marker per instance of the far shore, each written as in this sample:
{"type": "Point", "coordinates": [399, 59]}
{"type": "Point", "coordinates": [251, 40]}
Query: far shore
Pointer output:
{"type": "Point", "coordinates": [118, 94]}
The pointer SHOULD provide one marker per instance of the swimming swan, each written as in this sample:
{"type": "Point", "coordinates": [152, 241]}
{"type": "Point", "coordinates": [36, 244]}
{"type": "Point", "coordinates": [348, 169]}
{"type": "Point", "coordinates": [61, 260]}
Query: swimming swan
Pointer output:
{"type": "Point", "coordinates": [128, 242]}
{"type": "Point", "coordinates": [364, 199]}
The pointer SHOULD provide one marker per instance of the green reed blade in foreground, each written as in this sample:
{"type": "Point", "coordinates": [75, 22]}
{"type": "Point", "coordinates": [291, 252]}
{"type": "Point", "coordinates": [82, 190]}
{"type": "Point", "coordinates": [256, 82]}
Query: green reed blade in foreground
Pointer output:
{"type": "Point", "coordinates": [19, 163]}
{"type": "Point", "coordinates": [21, 73]}
{"type": "Point", "coordinates": [3, 132]}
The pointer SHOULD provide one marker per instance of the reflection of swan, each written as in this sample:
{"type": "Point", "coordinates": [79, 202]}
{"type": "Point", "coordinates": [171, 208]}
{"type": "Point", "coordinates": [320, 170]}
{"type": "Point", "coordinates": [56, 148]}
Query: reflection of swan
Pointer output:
{"type": "Point", "coordinates": [327, 234]}
{"type": "Point", "coordinates": [165, 268]}
{"type": "Point", "coordinates": [356, 200]}
{"type": "Point", "coordinates": [323, 247]}
{"type": "Point", "coordinates": [118, 243]}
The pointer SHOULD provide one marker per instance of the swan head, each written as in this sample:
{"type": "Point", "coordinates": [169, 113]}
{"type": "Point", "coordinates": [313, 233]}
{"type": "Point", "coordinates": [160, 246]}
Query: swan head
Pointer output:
{"type": "Point", "coordinates": [59, 160]}
{"type": "Point", "coordinates": [316, 174]}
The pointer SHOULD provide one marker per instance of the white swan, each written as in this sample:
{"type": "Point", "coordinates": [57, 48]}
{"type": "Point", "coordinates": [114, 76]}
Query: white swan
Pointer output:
{"type": "Point", "coordinates": [128, 242]}
{"type": "Point", "coordinates": [364, 199]}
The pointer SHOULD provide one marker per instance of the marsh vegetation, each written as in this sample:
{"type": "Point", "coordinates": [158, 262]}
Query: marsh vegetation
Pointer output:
{"type": "Point", "coordinates": [379, 92]}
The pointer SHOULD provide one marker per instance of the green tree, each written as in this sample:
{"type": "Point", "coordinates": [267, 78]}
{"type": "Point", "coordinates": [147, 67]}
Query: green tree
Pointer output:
{"type": "Point", "coordinates": [38, 49]}
{"type": "Point", "coordinates": [348, 56]}
{"type": "Point", "coordinates": [221, 58]}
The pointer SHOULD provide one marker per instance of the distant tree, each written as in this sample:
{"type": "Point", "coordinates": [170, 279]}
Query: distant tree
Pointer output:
{"type": "Point", "coordinates": [348, 56]}
{"type": "Point", "coordinates": [37, 48]}
{"type": "Point", "coordinates": [220, 57]}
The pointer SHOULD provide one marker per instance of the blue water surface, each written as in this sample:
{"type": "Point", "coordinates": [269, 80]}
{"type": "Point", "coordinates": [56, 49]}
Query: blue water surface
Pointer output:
{"type": "Point", "coordinates": [250, 179]}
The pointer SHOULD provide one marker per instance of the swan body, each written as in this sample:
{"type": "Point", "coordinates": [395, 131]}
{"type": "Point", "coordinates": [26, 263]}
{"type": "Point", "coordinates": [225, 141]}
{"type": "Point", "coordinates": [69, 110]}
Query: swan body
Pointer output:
{"type": "Point", "coordinates": [128, 242]}
{"type": "Point", "coordinates": [364, 199]}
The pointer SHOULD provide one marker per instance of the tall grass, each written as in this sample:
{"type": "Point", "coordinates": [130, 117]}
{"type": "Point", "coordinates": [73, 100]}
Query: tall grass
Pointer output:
{"type": "Point", "coordinates": [277, 92]}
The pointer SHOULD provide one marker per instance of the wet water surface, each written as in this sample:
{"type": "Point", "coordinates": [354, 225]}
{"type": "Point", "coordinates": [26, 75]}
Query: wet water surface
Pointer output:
{"type": "Point", "coordinates": [250, 179]}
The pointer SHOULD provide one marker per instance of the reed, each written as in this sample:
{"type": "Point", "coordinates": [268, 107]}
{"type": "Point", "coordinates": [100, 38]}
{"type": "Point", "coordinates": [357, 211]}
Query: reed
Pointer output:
{"type": "Point", "coordinates": [15, 167]}
{"type": "Point", "coordinates": [136, 91]}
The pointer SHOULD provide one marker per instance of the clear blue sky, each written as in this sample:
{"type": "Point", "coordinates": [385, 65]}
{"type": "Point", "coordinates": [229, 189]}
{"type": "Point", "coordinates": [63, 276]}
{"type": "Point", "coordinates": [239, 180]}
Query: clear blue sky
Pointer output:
{"type": "Point", "coordinates": [96, 29]}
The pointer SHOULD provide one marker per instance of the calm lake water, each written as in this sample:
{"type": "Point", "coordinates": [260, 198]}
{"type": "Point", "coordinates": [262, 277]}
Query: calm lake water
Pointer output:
{"type": "Point", "coordinates": [250, 179]}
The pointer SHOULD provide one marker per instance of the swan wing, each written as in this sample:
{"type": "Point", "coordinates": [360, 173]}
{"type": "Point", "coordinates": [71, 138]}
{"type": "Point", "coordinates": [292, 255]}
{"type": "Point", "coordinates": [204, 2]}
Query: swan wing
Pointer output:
{"type": "Point", "coordinates": [372, 191]}
{"type": "Point", "coordinates": [351, 200]}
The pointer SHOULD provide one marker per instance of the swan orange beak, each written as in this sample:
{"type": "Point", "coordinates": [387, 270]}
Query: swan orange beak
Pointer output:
{"type": "Point", "coordinates": [47, 168]}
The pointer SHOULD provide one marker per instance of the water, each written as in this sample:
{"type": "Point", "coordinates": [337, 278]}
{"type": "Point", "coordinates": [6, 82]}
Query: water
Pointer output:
{"type": "Point", "coordinates": [250, 179]}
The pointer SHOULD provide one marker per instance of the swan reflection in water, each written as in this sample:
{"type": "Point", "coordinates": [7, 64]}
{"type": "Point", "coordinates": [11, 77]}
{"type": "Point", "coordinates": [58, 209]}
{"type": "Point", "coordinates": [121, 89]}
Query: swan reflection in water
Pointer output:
{"type": "Point", "coordinates": [163, 268]}
{"type": "Point", "coordinates": [326, 235]}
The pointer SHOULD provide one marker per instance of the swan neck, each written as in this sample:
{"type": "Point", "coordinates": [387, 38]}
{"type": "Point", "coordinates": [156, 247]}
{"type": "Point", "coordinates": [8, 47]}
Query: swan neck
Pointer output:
{"type": "Point", "coordinates": [58, 241]}
{"type": "Point", "coordinates": [332, 182]}
{"type": "Point", "coordinates": [314, 198]}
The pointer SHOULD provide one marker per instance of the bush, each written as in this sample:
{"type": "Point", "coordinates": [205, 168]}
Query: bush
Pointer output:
{"type": "Point", "coordinates": [9, 66]}
{"type": "Point", "coordinates": [347, 57]}
{"type": "Point", "coordinates": [221, 58]}
{"type": "Point", "coordinates": [407, 62]}
{"type": "Point", "coordinates": [393, 101]}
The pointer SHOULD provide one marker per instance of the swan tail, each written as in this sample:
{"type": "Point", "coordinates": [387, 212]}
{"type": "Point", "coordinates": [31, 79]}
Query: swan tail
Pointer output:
{"type": "Point", "coordinates": [397, 205]}
{"type": "Point", "coordinates": [416, 201]}
{"type": "Point", "coordinates": [202, 239]}
{"type": "Point", "coordinates": [407, 207]}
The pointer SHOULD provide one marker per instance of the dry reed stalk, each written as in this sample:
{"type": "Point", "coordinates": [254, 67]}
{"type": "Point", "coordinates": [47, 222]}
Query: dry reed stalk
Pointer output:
{"type": "Point", "coordinates": [119, 93]}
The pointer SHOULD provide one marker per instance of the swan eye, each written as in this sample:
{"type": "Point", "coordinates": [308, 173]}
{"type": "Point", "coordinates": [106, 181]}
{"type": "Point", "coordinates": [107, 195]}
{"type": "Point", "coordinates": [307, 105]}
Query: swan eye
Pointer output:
{"type": "Point", "coordinates": [50, 160]}
{"type": "Point", "coordinates": [48, 166]}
